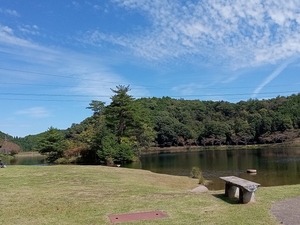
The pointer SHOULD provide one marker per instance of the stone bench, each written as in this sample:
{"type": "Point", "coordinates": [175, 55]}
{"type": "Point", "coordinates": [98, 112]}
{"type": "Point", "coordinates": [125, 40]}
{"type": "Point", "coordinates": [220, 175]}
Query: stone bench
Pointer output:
{"type": "Point", "coordinates": [240, 188]}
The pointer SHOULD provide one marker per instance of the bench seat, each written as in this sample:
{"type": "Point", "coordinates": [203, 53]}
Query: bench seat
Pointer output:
{"type": "Point", "coordinates": [241, 188]}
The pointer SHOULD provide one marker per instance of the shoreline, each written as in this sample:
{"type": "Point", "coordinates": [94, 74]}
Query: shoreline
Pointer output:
{"type": "Point", "coordinates": [28, 154]}
{"type": "Point", "coordinates": [295, 143]}
{"type": "Point", "coordinates": [173, 149]}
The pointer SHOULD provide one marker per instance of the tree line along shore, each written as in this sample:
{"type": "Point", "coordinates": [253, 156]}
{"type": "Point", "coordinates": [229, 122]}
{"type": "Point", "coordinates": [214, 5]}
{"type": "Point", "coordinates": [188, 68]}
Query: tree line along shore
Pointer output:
{"type": "Point", "coordinates": [128, 127]}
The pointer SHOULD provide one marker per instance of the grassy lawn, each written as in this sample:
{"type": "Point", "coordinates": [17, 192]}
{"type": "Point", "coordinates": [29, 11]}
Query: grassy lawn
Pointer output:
{"type": "Point", "coordinates": [88, 194]}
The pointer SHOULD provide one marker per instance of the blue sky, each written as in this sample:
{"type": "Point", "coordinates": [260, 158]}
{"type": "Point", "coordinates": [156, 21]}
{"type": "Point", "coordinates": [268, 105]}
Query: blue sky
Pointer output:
{"type": "Point", "coordinates": [55, 57]}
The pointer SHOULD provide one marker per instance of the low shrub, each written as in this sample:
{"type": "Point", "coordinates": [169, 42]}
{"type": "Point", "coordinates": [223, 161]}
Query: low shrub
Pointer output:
{"type": "Point", "coordinates": [197, 173]}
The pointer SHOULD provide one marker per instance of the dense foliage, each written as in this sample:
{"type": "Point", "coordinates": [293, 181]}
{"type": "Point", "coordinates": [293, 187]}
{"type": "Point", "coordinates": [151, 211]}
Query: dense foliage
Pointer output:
{"type": "Point", "coordinates": [192, 122]}
{"type": "Point", "coordinates": [7, 147]}
{"type": "Point", "coordinates": [127, 126]}
{"type": "Point", "coordinates": [52, 144]}
{"type": "Point", "coordinates": [28, 143]}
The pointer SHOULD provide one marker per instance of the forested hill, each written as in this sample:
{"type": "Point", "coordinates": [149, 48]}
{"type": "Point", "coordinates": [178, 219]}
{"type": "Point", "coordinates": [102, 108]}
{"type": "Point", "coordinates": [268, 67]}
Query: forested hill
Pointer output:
{"type": "Point", "coordinates": [28, 143]}
{"type": "Point", "coordinates": [177, 122]}
{"type": "Point", "coordinates": [3, 136]}
{"type": "Point", "coordinates": [6, 146]}
{"type": "Point", "coordinates": [182, 122]}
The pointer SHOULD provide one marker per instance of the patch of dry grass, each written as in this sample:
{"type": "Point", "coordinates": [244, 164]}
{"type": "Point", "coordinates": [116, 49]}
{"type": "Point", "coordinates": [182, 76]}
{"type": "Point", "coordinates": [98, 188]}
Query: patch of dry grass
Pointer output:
{"type": "Point", "coordinates": [73, 194]}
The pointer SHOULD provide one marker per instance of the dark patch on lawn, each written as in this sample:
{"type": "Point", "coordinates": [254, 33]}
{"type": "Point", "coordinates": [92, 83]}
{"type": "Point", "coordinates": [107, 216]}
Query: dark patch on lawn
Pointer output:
{"type": "Point", "coordinates": [227, 199]}
{"type": "Point", "coordinates": [119, 218]}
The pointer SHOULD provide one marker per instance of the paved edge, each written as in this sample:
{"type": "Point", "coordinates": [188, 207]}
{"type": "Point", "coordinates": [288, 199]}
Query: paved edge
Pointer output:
{"type": "Point", "coordinates": [287, 211]}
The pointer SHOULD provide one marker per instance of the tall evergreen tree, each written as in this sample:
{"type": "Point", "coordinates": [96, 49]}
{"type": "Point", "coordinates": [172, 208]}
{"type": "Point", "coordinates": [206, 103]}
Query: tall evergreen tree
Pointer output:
{"type": "Point", "coordinates": [120, 113]}
{"type": "Point", "coordinates": [51, 144]}
{"type": "Point", "coordinates": [97, 107]}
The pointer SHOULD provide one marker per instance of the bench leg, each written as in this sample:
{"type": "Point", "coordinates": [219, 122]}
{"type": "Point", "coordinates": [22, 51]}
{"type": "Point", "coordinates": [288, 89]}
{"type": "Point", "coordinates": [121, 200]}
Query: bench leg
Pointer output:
{"type": "Point", "coordinates": [233, 192]}
{"type": "Point", "coordinates": [241, 194]}
{"type": "Point", "coordinates": [227, 186]}
{"type": "Point", "coordinates": [248, 197]}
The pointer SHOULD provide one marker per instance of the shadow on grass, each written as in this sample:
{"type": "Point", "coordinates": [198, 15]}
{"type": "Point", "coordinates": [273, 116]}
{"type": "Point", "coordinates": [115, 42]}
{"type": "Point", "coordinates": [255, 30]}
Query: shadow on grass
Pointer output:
{"type": "Point", "coordinates": [222, 197]}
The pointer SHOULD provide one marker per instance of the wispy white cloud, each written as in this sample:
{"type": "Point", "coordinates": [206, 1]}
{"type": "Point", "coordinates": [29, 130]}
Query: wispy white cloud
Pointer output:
{"type": "Point", "coordinates": [97, 7]}
{"type": "Point", "coordinates": [99, 84]}
{"type": "Point", "coordinates": [28, 29]}
{"type": "Point", "coordinates": [188, 89]}
{"type": "Point", "coordinates": [8, 37]}
{"type": "Point", "coordinates": [96, 84]}
{"type": "Point", "coordinates": [272, 76]}
{"type": "Point", "coordinates": [85, 74]}
{"type": "Point", "coordinates": [236, 33]}
{"type": "Point", "coordinates": [10, 12]}
{"type": "Point", "coordinates": [34, 112]}
{"type": "Point", "coordinates": [75, 4]}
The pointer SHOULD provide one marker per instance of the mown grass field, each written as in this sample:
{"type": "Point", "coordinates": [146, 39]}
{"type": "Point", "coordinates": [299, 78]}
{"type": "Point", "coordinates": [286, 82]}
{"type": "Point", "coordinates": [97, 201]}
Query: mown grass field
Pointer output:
{"type": "Point", "coordinates": [70, 194]}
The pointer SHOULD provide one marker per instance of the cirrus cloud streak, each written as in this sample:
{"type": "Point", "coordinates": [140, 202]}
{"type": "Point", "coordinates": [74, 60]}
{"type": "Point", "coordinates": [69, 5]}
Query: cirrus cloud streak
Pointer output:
{"type": "Point", "coordinates": [235, 33]}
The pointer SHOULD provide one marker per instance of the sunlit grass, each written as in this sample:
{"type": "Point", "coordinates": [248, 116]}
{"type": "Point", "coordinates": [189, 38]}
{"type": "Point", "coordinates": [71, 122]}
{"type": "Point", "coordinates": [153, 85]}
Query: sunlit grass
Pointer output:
{"type": "Point", "coordinates": [88, 194]}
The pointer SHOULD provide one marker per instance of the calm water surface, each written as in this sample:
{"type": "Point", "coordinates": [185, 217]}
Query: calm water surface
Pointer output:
{"type": "Point", "coordinates": [274, 166]}
{"type": "Point", "coordinates": [29, 159]}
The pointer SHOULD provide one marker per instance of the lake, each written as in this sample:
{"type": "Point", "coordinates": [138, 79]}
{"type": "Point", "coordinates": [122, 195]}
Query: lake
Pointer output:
{"type": "Point", "coordinates": [274, 167]}
{"type": "Point", "coordinates": [27, 159]}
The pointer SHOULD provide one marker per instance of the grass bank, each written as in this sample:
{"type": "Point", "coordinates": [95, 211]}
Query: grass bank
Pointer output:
{"type": "Point", "coordinates": [70, 194]}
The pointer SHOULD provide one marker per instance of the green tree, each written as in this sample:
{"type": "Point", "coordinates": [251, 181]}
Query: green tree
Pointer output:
{"type": "Point", "coordinates": [145, 138]}
{"type": "Point", "coordinates": [97, 107]}
{"type": "Point", "coordinates": [120, 113]}
{"type": "Point", "coordinates": [109, 150]}
{"type": "Point", "coordinates": [216, 128]}
{"type": "Point", "coordinates": [51, 144]}
{"type": "Point", "coordinates": [165, 127]}
{"type": "Point", "coordinates": [118, 124]}
{"type": "Point", "coordinates": [282, 122]}
{"type": "Point", "coordinates": [142, 134]}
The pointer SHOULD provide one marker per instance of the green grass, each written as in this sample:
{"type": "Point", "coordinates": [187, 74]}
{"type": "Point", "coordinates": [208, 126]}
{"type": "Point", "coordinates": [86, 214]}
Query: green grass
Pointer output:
{"type": "Point", "coordinates": [73, 194]}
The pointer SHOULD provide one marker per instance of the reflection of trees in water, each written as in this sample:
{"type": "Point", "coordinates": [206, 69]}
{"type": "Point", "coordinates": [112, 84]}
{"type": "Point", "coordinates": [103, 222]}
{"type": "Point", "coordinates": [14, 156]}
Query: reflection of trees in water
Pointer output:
{"type": "Point", "coordinates": [27, 160]}
{"type": "Point", "coordinates": [274, 166]}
